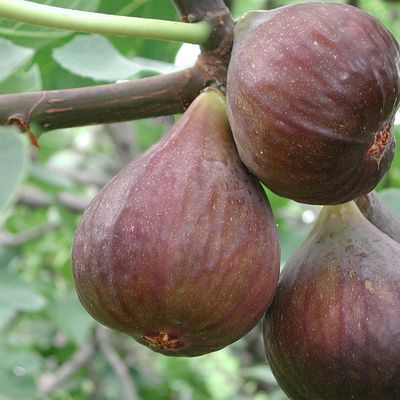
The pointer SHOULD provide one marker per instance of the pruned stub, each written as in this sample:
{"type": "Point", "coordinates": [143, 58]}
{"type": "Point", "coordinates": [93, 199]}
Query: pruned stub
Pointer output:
{"type": "Point", "coordinates": [163, 341]}
{"type": "Point", "coordinates": [378, 146]}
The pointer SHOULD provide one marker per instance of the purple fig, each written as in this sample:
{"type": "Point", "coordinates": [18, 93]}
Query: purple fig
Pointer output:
{"type": "Point", "coordinates": [180, 249]}
{"type": "Point", "coordinates": [333, 329]}
{"type": "Point", "coordinates": [312, 91]}
{"type": "Point", "coordinates": [378, 213]}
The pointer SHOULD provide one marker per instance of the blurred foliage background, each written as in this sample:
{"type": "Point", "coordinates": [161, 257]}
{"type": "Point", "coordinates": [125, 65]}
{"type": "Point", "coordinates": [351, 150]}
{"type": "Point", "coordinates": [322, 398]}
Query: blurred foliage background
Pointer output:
{"type": "Point", "coordinates": [50, 348]}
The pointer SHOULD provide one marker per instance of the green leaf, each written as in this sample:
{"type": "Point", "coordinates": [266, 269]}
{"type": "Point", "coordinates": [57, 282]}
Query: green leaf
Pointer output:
{"type": "Point", "coordinates": [18, 366]}
{"type": "Point", "coordinates": [150, 49]}
{"type": "Point", "coordinates": [12, 57]}
{"type": "Point", "coordinates": [6, 313]}
{"type": "Point", "coordinates": [260, 373]}
{"type": "Point", "coordinates": [93, 56]}
{"type": "Point", "coordinates": [22, 81]}
{"type": "Point", "coordinates": [18, 295]}
{"type": "Point", "coordinates": [37, 36]}
{"type": "Point", "coordinates": [385, 12]}
{"type": "Point", "coordinates": [13, 164]}
{"type": "Point", "coordinates": [70, 317]}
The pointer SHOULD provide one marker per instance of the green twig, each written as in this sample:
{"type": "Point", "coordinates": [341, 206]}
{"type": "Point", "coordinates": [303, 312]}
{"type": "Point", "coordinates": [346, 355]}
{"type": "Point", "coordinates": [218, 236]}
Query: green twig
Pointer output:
{"type": "Point", "coordinates": [83, 21]}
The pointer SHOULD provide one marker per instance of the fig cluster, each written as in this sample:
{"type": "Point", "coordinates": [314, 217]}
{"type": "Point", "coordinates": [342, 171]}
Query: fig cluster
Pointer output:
{"type": "Point", "coordinates": [180, 250]}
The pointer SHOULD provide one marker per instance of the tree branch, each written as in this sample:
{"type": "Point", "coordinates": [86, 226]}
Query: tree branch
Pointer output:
{"type": "Point", "coordinates": [142, 98]}
{"type": "Point", "coordinates": [120, 369]}
{"type": "Point", "coordinates": [16, 239]}
{"type": "Point", "coordinates": [48, 383]}
{"type": "Point", "coordinates": [213, 11]}
{"type": "Point", "coordinates": [216, 52]}
{"type": "Point", "coordinates": [34, 198]}
{"type": "Point", "coordinates": [147, 97]}
{"type": "Point", "coordinates": [195, 10]}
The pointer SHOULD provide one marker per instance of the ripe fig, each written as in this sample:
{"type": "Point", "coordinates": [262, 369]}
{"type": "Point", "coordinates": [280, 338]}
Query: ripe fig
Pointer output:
{"type": "Point", "coordinates": [378, 213]}
{"type": "Point", "coordinates": [180, 249]}
{"type": "Point", "coordinates": [312, 91]}
{"type": "Point", "coordinates": [333, 329]}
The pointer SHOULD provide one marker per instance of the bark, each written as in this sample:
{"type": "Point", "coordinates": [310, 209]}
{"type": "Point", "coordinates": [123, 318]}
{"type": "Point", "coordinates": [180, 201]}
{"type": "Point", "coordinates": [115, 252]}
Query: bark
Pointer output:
{"type": "Point", "coordinates": [195, 10]}
{"type": "Point", "coordinates": [215, 12]}
{"type": "Point", "coordinates": [148, 97]}
{"type": "Point", "coordinates": [50, 382]}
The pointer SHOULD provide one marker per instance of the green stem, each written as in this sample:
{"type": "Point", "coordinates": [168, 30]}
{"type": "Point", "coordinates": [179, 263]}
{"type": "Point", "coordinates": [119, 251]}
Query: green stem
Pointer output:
{"type": "Point", "coordinates": [83, 21]}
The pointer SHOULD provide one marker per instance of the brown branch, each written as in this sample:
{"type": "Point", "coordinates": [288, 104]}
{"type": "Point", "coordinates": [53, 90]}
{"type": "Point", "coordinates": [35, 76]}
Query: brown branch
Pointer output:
{"type": "Point", "coordinates": [147, 97]}
{"type": "Point", "coordinates": [85, 177]}
{"type": "Point", "coordinates": [72, 202]}
{"type": "Point", "coordinates": [195, 10]}
{"type": "Point", "coordinates": [125, 141]}
{"type": "Point", "coordinates": [16, 239]}
{"type": "Point", "coordinates": [120, 369]}
{"type": "Point", "coordinates": [142, 98]}
{"type": "Point", "coordinates": [217, 14]}
{"type": "Point", "coordinates": [35, 198]}
{"type": "Point", "coordinates": [216, 52]}
{"type": "Point", "coordinates": [49, 382]}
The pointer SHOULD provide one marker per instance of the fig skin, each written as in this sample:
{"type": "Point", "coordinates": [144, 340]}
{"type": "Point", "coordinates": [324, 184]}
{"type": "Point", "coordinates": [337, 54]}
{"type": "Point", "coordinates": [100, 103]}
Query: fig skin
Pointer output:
{"type": "Point", "coordinates": [333, 329]}
{"type": "Point", "coordinates": [379, 214]}
{"type": "Point", "coordinates": [180, 250]}
{"type": "Point", "coordinates": [312, 91]}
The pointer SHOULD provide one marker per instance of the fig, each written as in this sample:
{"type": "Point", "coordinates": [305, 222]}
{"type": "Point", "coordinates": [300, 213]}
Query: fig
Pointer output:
{"type": "Point", "coordinates": [180, 250]}
{"type": "Point", "coordinates": [333, 329]}
{"type": "Point", "coordinates": [312, 91]}
{"type": "Point", "coordinates": [378, 213]}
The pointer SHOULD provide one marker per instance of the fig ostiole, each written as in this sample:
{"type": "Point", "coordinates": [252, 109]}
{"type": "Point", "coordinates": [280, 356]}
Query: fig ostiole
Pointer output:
{"type": "Point", "coordinates": [333, 329]}
{"type": "Point", "coordinates": [180, 250]}
{"type": "Point", "coordinates": [378, 213]}
{"type": "Point", "coordinates": [312, 91]}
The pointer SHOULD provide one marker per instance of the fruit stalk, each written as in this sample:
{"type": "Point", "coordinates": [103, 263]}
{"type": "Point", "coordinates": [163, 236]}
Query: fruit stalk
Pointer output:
{"type": "Point", "coordinates": [378, 213]}
{"type": "Point", "coordinates": [84, 21]}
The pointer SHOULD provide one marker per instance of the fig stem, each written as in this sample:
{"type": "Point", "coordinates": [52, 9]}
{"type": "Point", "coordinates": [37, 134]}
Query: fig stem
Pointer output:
{"type": "Point", "coordinates": [84, 21]}
{"type": "Point", "coordinates": [213, 11]}
{"type": "Point", "coordinates": [339, 212]}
